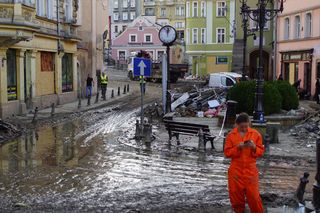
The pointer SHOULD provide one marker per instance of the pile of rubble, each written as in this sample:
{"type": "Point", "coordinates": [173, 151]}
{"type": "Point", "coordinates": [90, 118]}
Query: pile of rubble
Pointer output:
{"type": "Point", "coordinates": [8, 131]}
{"type": "Point", "coordinates": [204, 102]}
{"type": "Point", "coordinates": [308, 131]}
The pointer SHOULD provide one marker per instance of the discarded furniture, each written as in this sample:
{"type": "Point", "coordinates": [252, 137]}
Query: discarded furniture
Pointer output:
{"type": "Point", "coordinates": [180, 128]}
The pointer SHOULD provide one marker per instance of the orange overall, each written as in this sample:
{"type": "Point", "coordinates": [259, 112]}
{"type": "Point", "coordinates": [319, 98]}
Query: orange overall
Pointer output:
{"type": "Point", "coordinates": [243, 175]}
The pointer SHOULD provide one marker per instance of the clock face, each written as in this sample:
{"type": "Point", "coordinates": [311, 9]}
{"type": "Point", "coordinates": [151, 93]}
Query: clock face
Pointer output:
{"type": "Point", "coordinates": [167, 34]}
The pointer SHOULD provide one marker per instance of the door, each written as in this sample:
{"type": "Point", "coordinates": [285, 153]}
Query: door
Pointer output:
{"type": "Point", "coordinates": [307, 78]}
{"type": "Point", "coordinates": [67, 73]}
{"type": "Point", "coordinates": [286, 71]}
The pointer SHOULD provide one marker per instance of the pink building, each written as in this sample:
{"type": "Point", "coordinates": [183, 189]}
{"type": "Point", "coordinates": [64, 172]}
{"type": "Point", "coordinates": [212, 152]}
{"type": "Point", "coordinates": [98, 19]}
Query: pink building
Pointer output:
{"type": "Point", "coordinates": [298, 45]}
{"type": "Point", "coordinates": [141, 34]}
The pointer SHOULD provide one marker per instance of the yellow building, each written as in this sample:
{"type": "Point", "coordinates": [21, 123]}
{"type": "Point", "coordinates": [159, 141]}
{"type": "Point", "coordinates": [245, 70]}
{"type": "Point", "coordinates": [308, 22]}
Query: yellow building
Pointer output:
{"type": "Point", "coordinates": [170, 12]}
{"type": "Point", "coordinates": [38, 54]}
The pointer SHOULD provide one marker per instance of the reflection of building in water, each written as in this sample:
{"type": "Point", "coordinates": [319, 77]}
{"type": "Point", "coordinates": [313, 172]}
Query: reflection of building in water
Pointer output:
{"type": "Point", "coordinates": [48, 147]}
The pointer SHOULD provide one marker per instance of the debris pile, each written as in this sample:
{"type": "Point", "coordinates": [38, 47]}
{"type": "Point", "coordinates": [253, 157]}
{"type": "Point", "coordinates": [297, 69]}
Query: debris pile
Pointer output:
{"type": "Point", "coordinates": [204, 102]}
{"type": "Point", "coordinates": [308, 130]}
{"type": "Point", "coordinates": [8, 131]}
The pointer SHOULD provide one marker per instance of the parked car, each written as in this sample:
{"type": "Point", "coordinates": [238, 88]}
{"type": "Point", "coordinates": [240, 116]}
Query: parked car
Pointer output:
{"type": "Point", "coordinates": [224, 79]}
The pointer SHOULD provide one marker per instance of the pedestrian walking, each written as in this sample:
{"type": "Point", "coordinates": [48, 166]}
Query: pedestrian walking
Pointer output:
{"type": "Point", "coordinates": [89, 86]}
{"type": "Point", "coordinates": [317, 91]}
{"type": "Point", "coordinates": [103, 83]}
{"type": "Point", "coordinates": [143, 84]}
{"type": "Point", "coordinates": [244, 146]}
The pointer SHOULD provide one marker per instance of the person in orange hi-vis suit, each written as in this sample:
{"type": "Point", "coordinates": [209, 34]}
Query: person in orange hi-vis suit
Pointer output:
{"type": "Point", "coordinates": [244, 145]}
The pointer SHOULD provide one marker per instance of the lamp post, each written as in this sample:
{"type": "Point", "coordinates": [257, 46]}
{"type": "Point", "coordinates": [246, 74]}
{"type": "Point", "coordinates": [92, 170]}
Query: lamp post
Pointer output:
{"type": "Point", "coordinates": [260, 15]}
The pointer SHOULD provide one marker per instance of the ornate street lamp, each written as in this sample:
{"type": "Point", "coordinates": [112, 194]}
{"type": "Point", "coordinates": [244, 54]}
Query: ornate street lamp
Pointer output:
{"type": "Point", "coordinates": [260, 15]}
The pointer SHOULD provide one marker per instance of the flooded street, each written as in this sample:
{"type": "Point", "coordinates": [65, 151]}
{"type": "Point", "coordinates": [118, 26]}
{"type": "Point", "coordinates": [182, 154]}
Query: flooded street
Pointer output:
{"type": "Point", "coordinates": [83, 165]}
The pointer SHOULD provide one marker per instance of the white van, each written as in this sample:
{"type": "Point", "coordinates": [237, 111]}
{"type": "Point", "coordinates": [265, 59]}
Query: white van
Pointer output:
{"type": "Point", "coordinates": [224, 79]}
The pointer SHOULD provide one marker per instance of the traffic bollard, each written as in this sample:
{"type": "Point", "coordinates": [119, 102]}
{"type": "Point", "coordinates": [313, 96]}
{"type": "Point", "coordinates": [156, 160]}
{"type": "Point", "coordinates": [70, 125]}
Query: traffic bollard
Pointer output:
{"type": "Point", "coordinates": [52, 109]}
{"type": "Point", "coordinates": [89, 100]}
{"type": "Point", "coordinates": [119, 91]}
{"type": "Point", "coordinates": [302, 187]}
{"type": "Point", "coordinates": [124, 89]}
{"type": "Point", "coordinates": [35, 116]}
{"type": "Point", "coordinates": [128, 88]}
{"type": "Point", "coordinates": [97, 97]}
{"type": "Point", "coordinates": [79, 102]}
{"type": "Point", "coordinates": [112, 93]}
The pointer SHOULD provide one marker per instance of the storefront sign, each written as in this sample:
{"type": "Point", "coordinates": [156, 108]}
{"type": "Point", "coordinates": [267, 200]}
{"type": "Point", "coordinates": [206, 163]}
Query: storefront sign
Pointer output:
{"type": "Point", "coordinates": [12, 93]}
{"type": "Point", "coordinates": [222, 60]}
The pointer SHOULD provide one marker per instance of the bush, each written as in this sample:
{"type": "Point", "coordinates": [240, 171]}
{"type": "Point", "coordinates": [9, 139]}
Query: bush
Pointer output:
{"type": "Point", "coordinates": [290, 99]}
{"type": "Point", "coordinates": [244, 94]}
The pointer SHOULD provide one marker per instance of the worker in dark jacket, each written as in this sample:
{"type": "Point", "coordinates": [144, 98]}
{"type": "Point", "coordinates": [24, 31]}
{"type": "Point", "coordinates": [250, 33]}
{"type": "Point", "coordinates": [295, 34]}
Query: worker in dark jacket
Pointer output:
{"type": "Point", "coordinates": [104, 83]}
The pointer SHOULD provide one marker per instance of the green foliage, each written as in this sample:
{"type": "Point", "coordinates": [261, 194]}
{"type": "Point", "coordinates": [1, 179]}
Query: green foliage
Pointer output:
{"type": "Point", "coordinates": [244, 94]}
{"type": "Point", "coordinates": [290, 99]}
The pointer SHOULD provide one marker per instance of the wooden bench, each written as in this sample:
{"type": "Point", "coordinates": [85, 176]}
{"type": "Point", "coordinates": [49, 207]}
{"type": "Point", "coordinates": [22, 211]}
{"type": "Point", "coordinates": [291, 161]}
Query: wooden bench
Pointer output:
{"type": "Point", "coordinates": [180, 128]}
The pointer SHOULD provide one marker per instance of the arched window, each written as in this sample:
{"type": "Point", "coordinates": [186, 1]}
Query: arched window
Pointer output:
{"type": "Point", "coordinates": [297, 26]}
{"type": "Point", "coordinates": [308, 28]}
{"type": "Point", "coordinates": [286, 28]}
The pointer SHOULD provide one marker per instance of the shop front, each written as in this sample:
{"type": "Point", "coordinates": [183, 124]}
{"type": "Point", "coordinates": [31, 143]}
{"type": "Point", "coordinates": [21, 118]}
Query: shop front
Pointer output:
{"type": "Point", "coordinates": [298, 65]}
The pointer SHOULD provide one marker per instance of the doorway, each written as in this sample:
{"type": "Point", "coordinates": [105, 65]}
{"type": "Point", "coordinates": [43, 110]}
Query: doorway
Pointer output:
{"type": "Point", "coordinates": [307, 78]}
{"type": "Point", "coordinates": [27, 79]}
{"type": "Point", "coordinates": [254, 61]}
{"type": "Point", "coordinates": [12, 74]}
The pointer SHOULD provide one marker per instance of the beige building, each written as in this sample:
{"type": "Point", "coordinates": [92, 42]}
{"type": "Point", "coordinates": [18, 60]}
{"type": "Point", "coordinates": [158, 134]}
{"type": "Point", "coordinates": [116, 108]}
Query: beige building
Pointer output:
{"type": "Point", "coordinates": [298, 45]}
{"type": "Point", "coordinates": [38, 54]}
{"type": "Point", "coordinates": [94, 33]}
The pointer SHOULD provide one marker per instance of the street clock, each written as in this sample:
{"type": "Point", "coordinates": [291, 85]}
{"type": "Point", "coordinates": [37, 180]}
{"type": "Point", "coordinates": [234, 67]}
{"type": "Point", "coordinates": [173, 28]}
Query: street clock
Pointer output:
{"type": "Point", "coordinates": [167, 35]}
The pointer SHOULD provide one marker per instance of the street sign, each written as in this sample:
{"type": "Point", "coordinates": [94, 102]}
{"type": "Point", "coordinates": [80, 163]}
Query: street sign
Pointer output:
{"type": "Point", "coordinates": [141, 67]}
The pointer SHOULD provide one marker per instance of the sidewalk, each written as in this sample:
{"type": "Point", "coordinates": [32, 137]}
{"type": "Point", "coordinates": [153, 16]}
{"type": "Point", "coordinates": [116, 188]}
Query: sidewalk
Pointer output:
{"type": "Point", "coordinates": [73, 107]}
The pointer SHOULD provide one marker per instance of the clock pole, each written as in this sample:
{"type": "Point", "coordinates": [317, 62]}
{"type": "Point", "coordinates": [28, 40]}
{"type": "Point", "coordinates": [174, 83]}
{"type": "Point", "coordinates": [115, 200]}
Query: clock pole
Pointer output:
{"type": "Point", "coordinates": [168, 81]}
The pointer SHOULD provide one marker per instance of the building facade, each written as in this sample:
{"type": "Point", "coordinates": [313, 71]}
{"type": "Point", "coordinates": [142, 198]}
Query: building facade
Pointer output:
{"type": "Point", "coordinates": [209, 35]}
{"type": "Point", "coordinates": [170, 12]}
{"type": "Point", "coordinates": [141, 34]}
{"type": "Point", "coordinates": [94, 33]}
{"type": "Point", "coordinates": [37, 54]}
{"type": "Point", "coordinates": [123, 12]}
{"type": "Point", "coordinates": [298, 43]}
{"type": "Point", "coordinates": [252, 56]}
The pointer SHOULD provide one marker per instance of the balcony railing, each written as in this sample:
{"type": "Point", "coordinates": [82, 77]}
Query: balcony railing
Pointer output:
{"type": "Point", "coordinates": [30, 3]}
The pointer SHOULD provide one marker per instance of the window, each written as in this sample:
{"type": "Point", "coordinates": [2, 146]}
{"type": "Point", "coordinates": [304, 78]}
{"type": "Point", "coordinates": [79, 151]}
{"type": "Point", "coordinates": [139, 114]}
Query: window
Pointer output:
{"type": "Point", "coordinates": [179, 25]}
{"type": "Point", "coordinates": [133, 3]}
{"type": "Point", "coordinates": [160, 54]}
{"type": "Point", "coordinates": [116, 29]}
{"type": "Point", "coordinates": [149, 12]}
{"type": "Point", "coordinates": [132, 38]}
{"type": "Point", "coordinates": [188, 9]}
{"type": "Point", "coordinates": [286, 28]}
{"type": "Point", "coordinates": [46, 8]}
{"type": "Point", "coordinates": [194, 36]}
{"type": "Point", "coordinates": [12, 74]}
{"type": "Point", "coordinates": [221, 35]}
{"type": "Point", "coordinates": [162, 12]}
{"type": "Point", "coordinates": [47, 62]}
{"type": "Point", "coordinates": [226, 81]}
{"type": "Point", "coordinates": [297, 27]}
{"type": "Point", "coordinates": [69, 10]}
{"type": "Point", "coordinates": [67, 73]}
{"type": "Point", "coordinates": [125, 16]}
{"type": "Point", "coordinates": [194, 9]}
{"type": "Point", "coordinates": [180, 11]}
{"type": "Point", "coordinates": [116, 4]}
{"type": "Point", "coordinates": [187, 36]}
{"type": "Point", "coordinates": [140, 28]}
{"type": "Point", "coordinates": [132, 15]}
{"type": "Point", "coordinates": [148, 38]}
{"type": "Point", "coordinates": [124, 27]}
{"type": "Point", "coordinates": [116, 16]}
{"type": "Point", "coordinates": [308, 28]}
{"type": "Point", "coordinates": [203, 9]}
{"type": "Point", "coordinates": [122, 55]}
{"type": "Point", "coordinates": [124, 3]}
{"type": "Point", "coordinates": [221, 8]}
{"type": "Point", "coordinates": [203, 35]}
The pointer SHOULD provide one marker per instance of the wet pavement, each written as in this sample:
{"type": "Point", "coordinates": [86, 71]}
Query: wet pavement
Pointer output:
{"type": "Point", "coordinates": [84, 165]}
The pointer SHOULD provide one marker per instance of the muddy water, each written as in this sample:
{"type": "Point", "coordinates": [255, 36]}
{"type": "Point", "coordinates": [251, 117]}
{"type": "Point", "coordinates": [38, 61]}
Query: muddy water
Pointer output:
{"type": "Point", "coordinates": [82, 166]}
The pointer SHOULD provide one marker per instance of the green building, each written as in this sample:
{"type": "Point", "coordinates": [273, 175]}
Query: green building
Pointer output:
{"type": "Point", "coordinates": [252, 56]}
{"type": "Point", "coordinates": [209, 35]}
